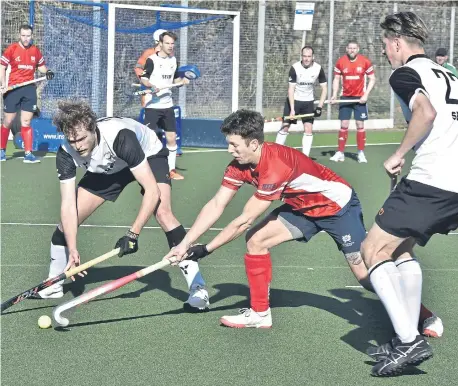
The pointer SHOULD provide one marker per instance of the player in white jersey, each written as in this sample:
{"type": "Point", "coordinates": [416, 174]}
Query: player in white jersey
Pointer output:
{"type": "Point", "coordinates": [303, 76]}
{"type": "Point", "coordinates": [423, 203]}
{"type": "Point", "coordinates": [161, 71]}
{"type": "Point", "coordinates": [115, 152]}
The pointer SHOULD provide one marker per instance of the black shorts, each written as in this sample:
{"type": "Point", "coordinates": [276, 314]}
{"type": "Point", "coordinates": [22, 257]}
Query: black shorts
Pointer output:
{"type": "Point", "coordinates": [110, 186]}
{"type": "Point", "coordinates": [300, 107]}
{"type": "Point", "coordinates": [23, 98]}
{"type": "Point", "coordinates": [161, 119]}
{"type": "Point", "coordinates": [417, 210]}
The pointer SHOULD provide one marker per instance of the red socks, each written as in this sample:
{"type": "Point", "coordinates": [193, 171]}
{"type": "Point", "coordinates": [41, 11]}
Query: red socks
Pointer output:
{"type": "Point", "coordinates": [27, 137]}
{"type": "Point", "coordinates": [259, 273]}
{"type": "Point", "coordinates": [361, 139]}
{"type": "Point", "coordinates": [5, 132]}
{"type": "Point", "coordinates": [343, 135]}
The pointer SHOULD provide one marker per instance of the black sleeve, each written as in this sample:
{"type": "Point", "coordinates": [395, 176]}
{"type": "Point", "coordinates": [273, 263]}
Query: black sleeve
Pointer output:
{"type": "Point", "coordinates": [292, 75]}
{"type": "Point", "coordinates": [127, 148]}
{"type": "Point", "coordinates": [322, 76]}
{"type": "Point", "coordinates": [176, 72]}
{"type": "Point", "coordinates": [149, 67]}
{"type": "Point", "coordinates": [406, 82]}
{"type": "Point", "coordinates": [66, 168]}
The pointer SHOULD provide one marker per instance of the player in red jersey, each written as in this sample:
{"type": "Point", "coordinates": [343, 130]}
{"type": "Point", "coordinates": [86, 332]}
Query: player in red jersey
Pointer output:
{"type": "Point", "coordinates": [315, 199]}
{"type": "Point", "coordinates": [352, 69]}
{"type": "Point", "coordinates": [23, 58]}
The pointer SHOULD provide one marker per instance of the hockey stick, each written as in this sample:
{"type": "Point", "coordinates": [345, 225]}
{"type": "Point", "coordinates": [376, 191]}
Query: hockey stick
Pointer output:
{"type": "Point", "coordinates": [393, 182]}
{"type": "Point", "coordinates": [103, 289]}
{"type": "Point", "coordinates": [338, 101]}
{"type": "Point", "coordinates": [149, 91]}
{"type": "Point", "coordinates": [26, 83]}
{"type": "Point", "coordinates": [49, 282]}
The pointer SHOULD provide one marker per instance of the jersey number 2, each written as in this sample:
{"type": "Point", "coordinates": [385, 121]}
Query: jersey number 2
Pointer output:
{"type": "Point", "coordinates": [438, 73]}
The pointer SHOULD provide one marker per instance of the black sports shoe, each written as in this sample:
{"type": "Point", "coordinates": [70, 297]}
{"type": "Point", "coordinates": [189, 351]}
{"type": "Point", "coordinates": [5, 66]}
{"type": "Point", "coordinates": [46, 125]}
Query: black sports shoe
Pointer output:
{"type": "Point", "coordinates": [378, 353]}
{"type": "Point", "coordinates": [402, 355]}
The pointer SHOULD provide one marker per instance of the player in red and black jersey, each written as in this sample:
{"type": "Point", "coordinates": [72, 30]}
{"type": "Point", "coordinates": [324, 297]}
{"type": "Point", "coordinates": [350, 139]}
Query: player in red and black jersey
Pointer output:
{"type": "Point", "coordinates": [315, 199]}
{"type": "Point", "coordinates": [23, 58]}
{"type": "Point", "coordinates": [352, 69]}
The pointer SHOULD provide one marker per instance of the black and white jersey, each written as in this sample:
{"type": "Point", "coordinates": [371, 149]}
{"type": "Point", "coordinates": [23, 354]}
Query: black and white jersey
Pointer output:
{"type": "Point", "coordinates": [122, 142]}
{"type": "Point", "coordinates": [160, 72]}
{"type": "Point", "coordinates": [305, 79]}
{"type": "Point", "coordinates": [436, 153]}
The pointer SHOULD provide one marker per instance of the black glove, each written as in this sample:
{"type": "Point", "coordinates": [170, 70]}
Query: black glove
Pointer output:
{"type": "Point", "coordinates": [197, 252]}
{"type": "Point", "coordinates": [49, 75]}
{"type": "Point", "coordinates": [318, 111]}
{"type": "Point", "coordinates": [127, 244]}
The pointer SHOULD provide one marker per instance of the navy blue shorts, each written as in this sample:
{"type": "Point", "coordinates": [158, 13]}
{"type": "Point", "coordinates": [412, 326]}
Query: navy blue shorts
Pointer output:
{"type": "Point", "coordinates": [23, 98]}
{"type": "Point", "coordinates": [346, 227]}
{"type": "Point", "coordinates": [360, 110]}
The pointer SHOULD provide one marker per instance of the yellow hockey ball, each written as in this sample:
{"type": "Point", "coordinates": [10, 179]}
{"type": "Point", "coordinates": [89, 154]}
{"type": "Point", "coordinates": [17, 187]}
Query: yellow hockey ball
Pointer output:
{"type": "Point", "coordinates": [44, 321]}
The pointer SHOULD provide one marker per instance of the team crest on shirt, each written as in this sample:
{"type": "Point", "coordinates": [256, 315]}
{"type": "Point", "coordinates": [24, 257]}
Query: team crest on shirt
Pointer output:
{"type": "Point", "coordinates": [359, 69]}
{"type": "Point", "coordinates": [32, 58]}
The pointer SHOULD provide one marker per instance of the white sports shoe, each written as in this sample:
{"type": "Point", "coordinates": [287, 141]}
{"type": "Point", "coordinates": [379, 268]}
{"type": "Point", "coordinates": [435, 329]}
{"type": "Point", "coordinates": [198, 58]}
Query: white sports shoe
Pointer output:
{"type": "Point", "coordinates": [338, 157]}
{"type": "Point", "coordinates": [56, 291]}
{"type": "Point", "coordinates": [198, 298]}
{"type": "Point", "coordinates": [433, 327]}
{"type": "Point", "coordinates": [361, 157]}
{"type": "Point", "coordinates": [248, 318]}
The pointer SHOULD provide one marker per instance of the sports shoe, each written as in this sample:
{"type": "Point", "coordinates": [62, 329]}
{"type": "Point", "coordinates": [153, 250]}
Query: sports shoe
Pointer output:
{"type": "Point", "coordinates": [433, 327]}
{"type": "Point", "coordinates": [378, 353]}
{"type": "Point", "coordinates": [198, 299]}
{"type": "Point", "coordinates": [248, 318]}
{"type": "Point", "coordinates": [2, 155]}
{"type": "Point", "coordinates": [402, 355]}
{"type": "Point", "coordinates": [338, 157]}
{"type": "Point", "coordinates": [361, 157]}
{"type": "Point", "coordinates": [175, 176]}
{"type": "Point", "coordinates": [55, 291]}
{"type": "Point", "coordinates": [29, 158]}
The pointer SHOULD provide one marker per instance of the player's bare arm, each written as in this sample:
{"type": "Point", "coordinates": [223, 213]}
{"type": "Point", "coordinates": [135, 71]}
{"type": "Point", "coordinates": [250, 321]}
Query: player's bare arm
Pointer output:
{"type": "Point", "coordinates": [335, 87]}
{"type": "Point", "coordinates": [423, 115]}
{"type": "Point", "coordinates": [369, 88]}
{"type": "Point", "coordinates": [3, 84]}
{"type": "Point", "coordinates": [45, 70]}
{"type": "Point", "coordinates": [324, 93]}
{"type": "Point", "coordinates": [252, 210]}
{"type": "Point", "coordinates": [69, 220]}
{"type": "Point", "coordinates": [291, 89]}
{"type": "Point", "coordinates": [145, 178]}
{"type": "Point", "coordinates": [209, 214]}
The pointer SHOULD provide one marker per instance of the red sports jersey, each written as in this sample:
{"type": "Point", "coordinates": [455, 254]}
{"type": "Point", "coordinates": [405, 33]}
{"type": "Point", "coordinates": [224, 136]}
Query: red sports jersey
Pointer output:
{"type": "Point", "coordinates": [23, 62]}
{"type": "Point", "coordinates": [352, 73]}
{"type": "Point", "coordinates": [286, 174]}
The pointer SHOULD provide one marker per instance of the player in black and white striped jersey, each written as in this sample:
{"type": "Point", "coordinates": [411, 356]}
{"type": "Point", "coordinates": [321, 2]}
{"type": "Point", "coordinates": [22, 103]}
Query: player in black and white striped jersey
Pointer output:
{"type": "Point", "coordinates": [114, 152]}
{"type": "Point", "coordinates": [303, 76]}
{"type": "Point", "coordinates": [425, 202]}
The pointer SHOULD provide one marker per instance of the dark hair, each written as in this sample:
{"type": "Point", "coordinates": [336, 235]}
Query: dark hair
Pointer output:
{"type": "Point", "coordinates": [26, 27]}
{"type": "Point", "coordinates": [168, 33]}
{"type": "Point", "coordinates": [307, 48]}
{"type": "Point", "coordinates": [246, 123]}
{"type": "Point", "coordinates": [405, 24]}
{"type": "Point", "coordinates": [352, 41]}
{"type": "Point", "coordinates": [73, 116]}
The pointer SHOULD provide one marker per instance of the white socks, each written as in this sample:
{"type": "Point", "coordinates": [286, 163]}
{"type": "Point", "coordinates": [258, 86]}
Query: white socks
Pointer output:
{"type": "Point", "coordinates": [191, 273]}
{"type": "Point", "coordinates": [388, 284]}
{"type": "Point", "coordinates": [307, 140]}
{"type": "Point", "coordinates": [412, 280]}
{"type": "Point", "coordinates": [59, 259]}
{"type": "Point", "coordinates": [281, 137]}
{"type": "Point", "coordinates": [172, 158]}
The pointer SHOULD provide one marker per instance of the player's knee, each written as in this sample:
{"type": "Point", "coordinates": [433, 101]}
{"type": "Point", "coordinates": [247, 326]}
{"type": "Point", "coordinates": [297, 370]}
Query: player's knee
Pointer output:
{"type": "Point", "coordinates": [164, 214]}
{"type": "Point", "coordinates": [26, 122]}
{"type": "Point", "coordinates": [254, 242]}
{"type": "Point", "coordinates": [368, 252]}
{"type": "Point", "coordinates": [58, 238]}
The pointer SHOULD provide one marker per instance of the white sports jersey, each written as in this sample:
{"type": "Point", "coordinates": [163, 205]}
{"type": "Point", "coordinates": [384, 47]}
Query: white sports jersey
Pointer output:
{"type": "Point", "coordinates": [436, 153]}
{"type": "Point", "coordinates": [122, 143]}
{"type": "Point", "coordinates": [305, 79]}
{"type": "Point", "coordinates": [160, 72]}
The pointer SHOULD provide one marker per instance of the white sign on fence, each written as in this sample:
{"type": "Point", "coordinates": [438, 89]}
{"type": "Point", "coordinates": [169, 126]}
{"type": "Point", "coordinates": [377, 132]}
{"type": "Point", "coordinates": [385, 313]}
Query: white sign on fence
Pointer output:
{"type": "Point", "coordinates": [303, 16]}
